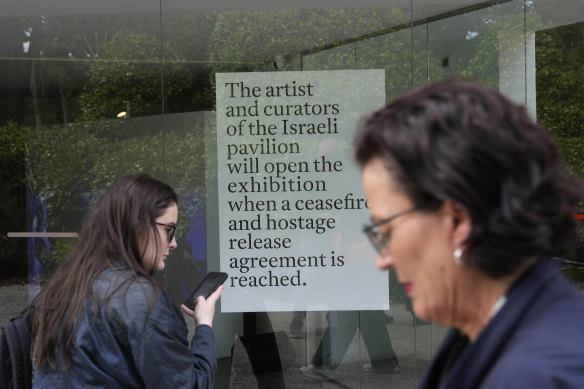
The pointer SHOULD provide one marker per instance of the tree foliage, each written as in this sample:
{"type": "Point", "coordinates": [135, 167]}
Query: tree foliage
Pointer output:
{"type": "Point", "coordinates": [560, 80]}
{"type": "Point", "coordinates": [151, 66]}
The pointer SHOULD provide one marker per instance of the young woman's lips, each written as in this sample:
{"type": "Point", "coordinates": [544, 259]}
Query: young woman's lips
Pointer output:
{"type": "Point", "coordinates": [407, 287]}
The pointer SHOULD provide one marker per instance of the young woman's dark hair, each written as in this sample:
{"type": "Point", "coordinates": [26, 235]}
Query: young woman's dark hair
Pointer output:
{"type": "Point", "coordinates": [460, 142]}
{"type": "Point", "coordinates": [114, 236]}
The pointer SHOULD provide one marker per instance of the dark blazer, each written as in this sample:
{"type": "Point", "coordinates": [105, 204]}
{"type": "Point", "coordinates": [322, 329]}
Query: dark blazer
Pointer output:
{"type": "Point", "coordinates": [536, 340]}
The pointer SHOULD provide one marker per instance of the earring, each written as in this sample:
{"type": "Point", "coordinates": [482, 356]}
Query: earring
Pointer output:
{"type": "Point", "coordinates": [458, 257]}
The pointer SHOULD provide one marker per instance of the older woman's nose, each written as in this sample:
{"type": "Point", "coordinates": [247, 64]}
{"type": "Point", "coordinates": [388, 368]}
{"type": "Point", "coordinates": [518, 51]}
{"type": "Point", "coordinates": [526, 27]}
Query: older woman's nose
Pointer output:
{"type": "Point", "coordinates": [384, 262]}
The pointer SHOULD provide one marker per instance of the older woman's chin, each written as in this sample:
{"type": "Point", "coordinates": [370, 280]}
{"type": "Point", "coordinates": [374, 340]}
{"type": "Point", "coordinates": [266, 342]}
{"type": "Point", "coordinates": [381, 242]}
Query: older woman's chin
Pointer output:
{"type": "Point", "coordinates": [426, 313]}
{"type": "Point", "coordinates": [422, 316]}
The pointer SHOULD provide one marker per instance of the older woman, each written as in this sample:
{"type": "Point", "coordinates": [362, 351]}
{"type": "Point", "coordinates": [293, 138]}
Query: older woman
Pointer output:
{"type": "Point", "coordinates": [468, 202]}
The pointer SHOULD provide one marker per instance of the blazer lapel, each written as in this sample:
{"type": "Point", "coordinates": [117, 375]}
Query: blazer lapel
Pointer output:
{"type": "Point", "coordinates": [475, 362]}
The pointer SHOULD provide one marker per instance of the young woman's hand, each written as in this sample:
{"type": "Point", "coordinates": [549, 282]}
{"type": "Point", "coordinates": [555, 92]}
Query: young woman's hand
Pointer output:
{"type": "Point", "coordinates": [204, 308]}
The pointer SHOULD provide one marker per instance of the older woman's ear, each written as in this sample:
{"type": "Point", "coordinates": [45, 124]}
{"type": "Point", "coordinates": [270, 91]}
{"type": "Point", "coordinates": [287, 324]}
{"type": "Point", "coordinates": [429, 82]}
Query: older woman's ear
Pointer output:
{"type": "Point", "coordinates": [461, 223]}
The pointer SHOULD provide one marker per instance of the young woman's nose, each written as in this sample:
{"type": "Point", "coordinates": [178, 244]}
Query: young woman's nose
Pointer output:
{"type": "Point", "coordinates": [173, 243]}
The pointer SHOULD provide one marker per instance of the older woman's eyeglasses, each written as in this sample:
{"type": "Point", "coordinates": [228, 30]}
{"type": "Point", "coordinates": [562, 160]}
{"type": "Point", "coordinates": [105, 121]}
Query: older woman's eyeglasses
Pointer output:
{"type": "Point", "coordinates": [170, 230]}
{"type": "Point", "coordinates": [379, 240]}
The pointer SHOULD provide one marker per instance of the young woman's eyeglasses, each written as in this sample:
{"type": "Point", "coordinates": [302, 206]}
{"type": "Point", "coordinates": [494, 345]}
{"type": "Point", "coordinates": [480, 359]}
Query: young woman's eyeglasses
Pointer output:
{"type": "Point", "coordinates": [170, 230]}
{"type": "Point", "coordinates": [379, 240]}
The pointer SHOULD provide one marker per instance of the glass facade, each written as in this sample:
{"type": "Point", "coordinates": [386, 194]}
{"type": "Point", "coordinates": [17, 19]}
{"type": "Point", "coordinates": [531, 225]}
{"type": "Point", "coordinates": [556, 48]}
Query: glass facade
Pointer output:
{"type": "Point", "coordinates": [91, 92]}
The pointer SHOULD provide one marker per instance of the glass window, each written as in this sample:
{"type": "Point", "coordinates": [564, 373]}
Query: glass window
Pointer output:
{"type": "Point", "coordinates": [91, 92]}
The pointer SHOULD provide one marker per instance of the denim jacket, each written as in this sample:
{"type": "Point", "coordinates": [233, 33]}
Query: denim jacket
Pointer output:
{"type": "Point", "coordinates": [133, 337]}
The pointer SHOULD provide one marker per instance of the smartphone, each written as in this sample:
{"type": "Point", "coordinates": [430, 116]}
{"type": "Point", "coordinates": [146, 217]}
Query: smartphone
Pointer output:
{"type": "Point", "coordinates": [206, 287]}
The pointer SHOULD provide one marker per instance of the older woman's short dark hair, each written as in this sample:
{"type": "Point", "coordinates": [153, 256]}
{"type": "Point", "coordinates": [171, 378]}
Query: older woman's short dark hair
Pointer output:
{"type": "Point", "coordinates": [460, 142]}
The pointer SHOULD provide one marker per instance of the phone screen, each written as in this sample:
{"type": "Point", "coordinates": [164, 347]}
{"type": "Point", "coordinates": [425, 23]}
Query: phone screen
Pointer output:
{"type": "Point", "coordinates": [206, 287]}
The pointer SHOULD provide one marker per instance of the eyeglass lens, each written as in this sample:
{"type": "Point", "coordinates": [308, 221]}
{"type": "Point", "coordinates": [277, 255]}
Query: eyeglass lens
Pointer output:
{"type": "Point", "coordinates": [170, 230]}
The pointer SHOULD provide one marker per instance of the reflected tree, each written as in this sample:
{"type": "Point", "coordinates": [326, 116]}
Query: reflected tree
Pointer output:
{"type": "Point", "coordinates": [83, 70]}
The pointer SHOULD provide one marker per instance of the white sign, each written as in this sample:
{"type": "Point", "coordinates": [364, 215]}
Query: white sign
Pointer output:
{"type": "Point", "coordinates": [291, 205]}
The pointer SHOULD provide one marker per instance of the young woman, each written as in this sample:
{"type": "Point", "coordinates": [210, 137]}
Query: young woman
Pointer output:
{"type": "Point", "coordinates": [103, 320]}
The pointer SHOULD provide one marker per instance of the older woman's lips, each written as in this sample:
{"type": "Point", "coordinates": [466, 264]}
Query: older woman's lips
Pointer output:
{"type": "Point", "coordinates": [407, 287]}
